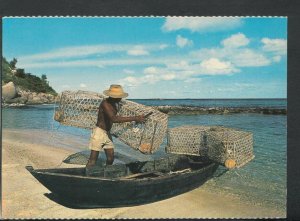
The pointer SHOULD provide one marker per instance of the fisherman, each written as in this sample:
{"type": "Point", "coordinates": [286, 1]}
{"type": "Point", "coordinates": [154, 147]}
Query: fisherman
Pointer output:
{"type": "Point", "coordinates": [107, 115]}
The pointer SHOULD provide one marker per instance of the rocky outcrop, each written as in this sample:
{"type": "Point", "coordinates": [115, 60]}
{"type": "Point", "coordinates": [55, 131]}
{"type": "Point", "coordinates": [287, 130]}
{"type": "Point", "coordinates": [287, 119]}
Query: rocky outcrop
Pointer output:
{"type": "Point", "coordinates": [173, 110]}
{"type": "Point", "coordinates": [29, 98]}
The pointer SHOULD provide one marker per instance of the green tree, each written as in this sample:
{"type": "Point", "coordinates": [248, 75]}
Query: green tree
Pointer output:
{"type": "Point", "coordinates": [44, 77]}
{"type": "Point", "coordinates": [26, 81]}
{"type": "Point", "coordinates": [20, 73]}
{"type": "Point", "coordinates": [6, 71]}
{"type": "Point", "coordinates": [13, 63]}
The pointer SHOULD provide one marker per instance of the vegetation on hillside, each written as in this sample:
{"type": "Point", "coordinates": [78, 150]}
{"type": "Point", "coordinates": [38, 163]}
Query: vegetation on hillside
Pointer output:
{"type": "Point", "coordinates": [25, 81]}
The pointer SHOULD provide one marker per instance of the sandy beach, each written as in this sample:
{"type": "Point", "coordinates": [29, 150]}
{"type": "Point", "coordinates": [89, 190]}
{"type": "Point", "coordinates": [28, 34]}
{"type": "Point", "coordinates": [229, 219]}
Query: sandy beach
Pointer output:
{"type": "Point", "coordinates": [24, 197]}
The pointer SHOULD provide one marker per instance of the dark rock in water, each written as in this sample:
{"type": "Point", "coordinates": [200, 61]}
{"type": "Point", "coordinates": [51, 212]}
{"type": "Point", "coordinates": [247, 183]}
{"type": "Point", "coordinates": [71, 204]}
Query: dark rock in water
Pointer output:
{"type": "Point", "coordinates": [189, 110]}
{"type": "Point", "coordinates": [266, 111]}
{"type": "Point", "coordinates": [226, 111]}
{"type": "Point", "coordinates": [279, 111]}
{"type": "Point", "coordinates": [19, 100]}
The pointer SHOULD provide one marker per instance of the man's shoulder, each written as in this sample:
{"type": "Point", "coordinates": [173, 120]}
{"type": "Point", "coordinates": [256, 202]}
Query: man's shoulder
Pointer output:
{"type": "Point", "coordinates": [105, 103]}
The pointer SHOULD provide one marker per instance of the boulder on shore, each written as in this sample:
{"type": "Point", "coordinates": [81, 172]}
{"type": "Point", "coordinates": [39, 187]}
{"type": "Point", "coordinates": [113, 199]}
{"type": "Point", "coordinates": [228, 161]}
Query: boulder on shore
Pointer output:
{"type": "Point", "coordinates": [9, 91]}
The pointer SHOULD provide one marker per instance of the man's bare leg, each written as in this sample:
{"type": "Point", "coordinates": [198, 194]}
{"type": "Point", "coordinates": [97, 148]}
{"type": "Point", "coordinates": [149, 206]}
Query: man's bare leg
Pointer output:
{"type": "Point", "coordinates": [93, 158]}
{"type": "Point", "coordinates": [109, 156]}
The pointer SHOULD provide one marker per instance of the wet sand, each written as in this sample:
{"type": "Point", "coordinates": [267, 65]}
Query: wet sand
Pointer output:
{"type": "Point", "coordinates": [24, 197]}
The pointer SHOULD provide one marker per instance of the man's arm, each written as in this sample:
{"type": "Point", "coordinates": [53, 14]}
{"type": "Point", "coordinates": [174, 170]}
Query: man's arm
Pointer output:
{"type": "Point", "coordinates": [108, 109]}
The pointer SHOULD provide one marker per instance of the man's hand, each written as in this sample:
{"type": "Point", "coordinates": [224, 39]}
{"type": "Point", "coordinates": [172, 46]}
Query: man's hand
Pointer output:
{"type": "Point", "coordinates": [143, 118]}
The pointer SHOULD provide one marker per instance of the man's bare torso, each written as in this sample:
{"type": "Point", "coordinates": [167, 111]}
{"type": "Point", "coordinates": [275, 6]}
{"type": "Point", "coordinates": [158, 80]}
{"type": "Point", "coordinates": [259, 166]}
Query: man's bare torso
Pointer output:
{"type": "Point", "coordinates": [104, 120]}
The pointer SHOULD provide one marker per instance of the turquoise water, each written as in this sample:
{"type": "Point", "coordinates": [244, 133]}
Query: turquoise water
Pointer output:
{"type": "Point", "coordinates": [262, 181]}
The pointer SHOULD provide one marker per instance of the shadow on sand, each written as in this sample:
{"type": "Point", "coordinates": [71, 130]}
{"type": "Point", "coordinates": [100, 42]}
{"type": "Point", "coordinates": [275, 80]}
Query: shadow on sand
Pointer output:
{"type": "Point", "coordinates": [73, 204]}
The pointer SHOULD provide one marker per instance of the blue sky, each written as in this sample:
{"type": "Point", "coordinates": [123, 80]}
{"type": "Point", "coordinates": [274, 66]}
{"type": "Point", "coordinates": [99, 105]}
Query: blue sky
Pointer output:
{"type": "Point", "coordinates": [162, 57]}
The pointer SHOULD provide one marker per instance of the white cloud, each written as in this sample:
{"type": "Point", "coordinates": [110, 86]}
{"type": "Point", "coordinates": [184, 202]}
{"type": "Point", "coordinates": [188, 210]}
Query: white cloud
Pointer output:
{"type": "Point", "coordinates": [58, 64]}
{"type": "Point", "coordinates": [183, 42]}
{"type": "Point", "coordinates": [240, 57]}
{"type": "Point", "coordinates": [278, 46]}
{"type": "Point", "coordinates": [179, 65]}
{"type": "Point", "coordinates": [95, 50]}
{"type": "Point", "coordinates": [235, 53]}
{"type": "Point", "coordinates": [152, 75]}
{"type": "Point", "coordinates": [201, 24]}
{"type": "Point", "coordinates": [276, 58]}
{"type": "Point", "coordinates": [168, 77]}
{"type": "Point", "coordinates": [130, 81]}
{"type": "Point", "coordinates": [82, 85]}
{"type": "Point", "coordinates": [76, 51]}
{"type": "Point", "coordinates": [235, 41]}
{"type": "Point", "coordinates": [128, 71]}
{"type": "Point", "coordinates": [137, 51]}
{"type": "Point", "coordinates": [248, 58]}
{"type": "Point", "coordinates": [244, 85]}
{"type": "Point", "coordinates": [214, 66]}
{"type": "Point", "coordinates": [150, 78]}
{"type": "Point", "coordinates": [163, 46]}
{"type": "Point", "coordinates": [151, 70]}
{"type": "Point", "coordinates": [65, 86]}
{"type": "Point", "coordinates": [211, 66]}
{"type": "Point", "coordinates": [231, 56]}
{"type": "Point", "coordinates": [192, 80]}
{"type": "Point", "coordinates": [92, 62]}
{"type": "Point", "coordinates": [183, 71]}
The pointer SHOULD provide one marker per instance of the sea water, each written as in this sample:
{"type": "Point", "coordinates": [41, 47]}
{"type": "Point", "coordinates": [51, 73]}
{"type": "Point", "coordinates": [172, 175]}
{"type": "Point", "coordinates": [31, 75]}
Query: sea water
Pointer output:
{"type": "Point", "coordinates": [262, 181]}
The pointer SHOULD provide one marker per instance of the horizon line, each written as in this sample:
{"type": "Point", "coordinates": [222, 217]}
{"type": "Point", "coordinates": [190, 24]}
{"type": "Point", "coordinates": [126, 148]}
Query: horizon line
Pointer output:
{"type": "Point", "coordinates": [206, 98]}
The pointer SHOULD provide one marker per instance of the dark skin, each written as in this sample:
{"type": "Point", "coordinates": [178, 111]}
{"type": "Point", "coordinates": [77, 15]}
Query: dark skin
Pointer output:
{"type": "Point", "coordinates": [107, 115]}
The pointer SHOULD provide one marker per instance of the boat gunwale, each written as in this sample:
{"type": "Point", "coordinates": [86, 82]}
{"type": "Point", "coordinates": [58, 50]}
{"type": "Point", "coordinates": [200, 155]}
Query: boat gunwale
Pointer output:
{"type": "Point", "coordinates": [165, 176]}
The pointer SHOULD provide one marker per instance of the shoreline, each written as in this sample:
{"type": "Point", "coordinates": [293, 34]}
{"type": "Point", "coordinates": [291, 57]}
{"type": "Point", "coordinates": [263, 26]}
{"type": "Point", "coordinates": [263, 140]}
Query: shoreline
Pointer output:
{"type": "Point", "coordinates": [190, 110]}
{"type": "Point", "coordinates": [24, 197]}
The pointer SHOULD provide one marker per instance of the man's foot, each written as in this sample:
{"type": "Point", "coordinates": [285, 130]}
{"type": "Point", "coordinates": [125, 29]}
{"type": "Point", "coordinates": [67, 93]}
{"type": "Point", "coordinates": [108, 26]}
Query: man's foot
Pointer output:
{"type": "Point", "coordinates": [90, 164]}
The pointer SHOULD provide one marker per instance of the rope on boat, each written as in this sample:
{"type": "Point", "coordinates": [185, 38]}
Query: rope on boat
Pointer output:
{"type": "Point", "coordinates": [181, 171]}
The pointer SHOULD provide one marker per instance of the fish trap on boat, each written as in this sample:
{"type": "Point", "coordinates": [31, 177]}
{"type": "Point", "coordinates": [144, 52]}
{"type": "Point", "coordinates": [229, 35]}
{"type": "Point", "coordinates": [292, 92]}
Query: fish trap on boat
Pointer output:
{"type": "Point", "coordinates": [187, 139]}
{"type": "Point", "coordinates": [80, 109]}
{"type": "Point", "coordinates": [229, 147]}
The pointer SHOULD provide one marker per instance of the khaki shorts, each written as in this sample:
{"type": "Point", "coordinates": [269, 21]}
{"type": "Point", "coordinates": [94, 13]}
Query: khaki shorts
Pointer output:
{"type": "Point", "coordinates": [100, 140]}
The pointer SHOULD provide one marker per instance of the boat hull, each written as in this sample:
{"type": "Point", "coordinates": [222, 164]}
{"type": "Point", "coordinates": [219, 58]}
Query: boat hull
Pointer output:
{"type": "Point", "coordinates": [80, 191]}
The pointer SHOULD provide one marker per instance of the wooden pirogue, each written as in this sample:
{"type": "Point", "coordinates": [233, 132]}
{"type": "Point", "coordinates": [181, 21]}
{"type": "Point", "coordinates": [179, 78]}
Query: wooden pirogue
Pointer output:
{"type": "Point", "coordinates": [125, 184]}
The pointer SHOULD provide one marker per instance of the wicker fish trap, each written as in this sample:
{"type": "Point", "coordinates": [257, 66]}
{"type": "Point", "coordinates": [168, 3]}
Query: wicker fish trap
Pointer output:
{"type": "Point", "coordinates": [227, 144]}
{"type": "Point", "coordinates": [187, 139]}
{"type": "Point", "coordinates": [145, 137]}
{"type": "Point", "coordinates": [218, 143]}
{"type": "Point", "coordinates": [80, 109]}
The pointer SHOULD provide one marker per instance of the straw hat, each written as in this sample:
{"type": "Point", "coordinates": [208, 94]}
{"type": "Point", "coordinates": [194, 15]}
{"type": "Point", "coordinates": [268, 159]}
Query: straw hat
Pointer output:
{"type": "Point", "coordinates": [115, 91]}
